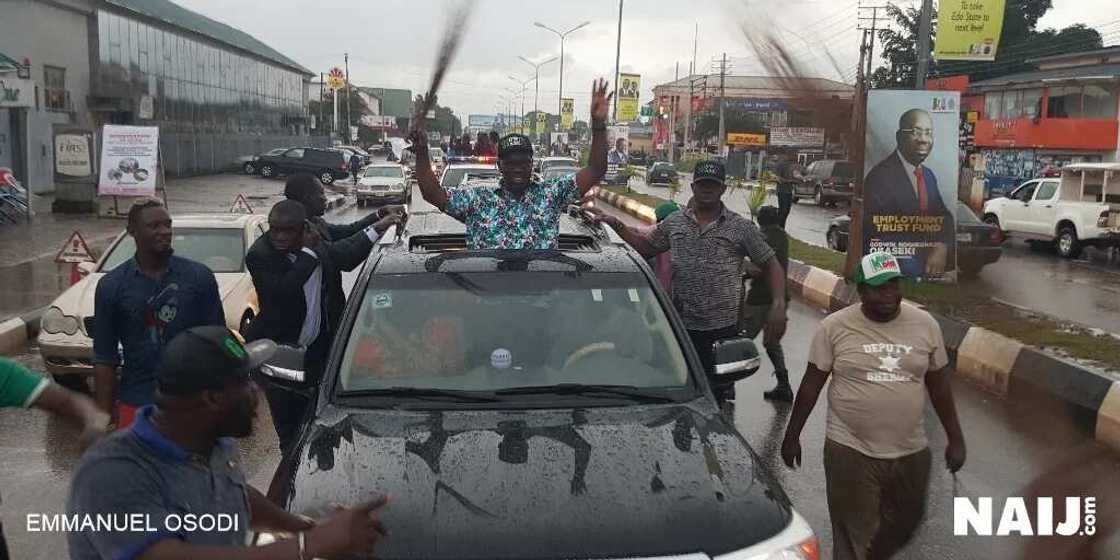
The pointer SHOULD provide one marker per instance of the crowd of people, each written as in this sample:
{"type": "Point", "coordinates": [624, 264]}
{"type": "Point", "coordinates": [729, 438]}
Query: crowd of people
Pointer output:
{"type": "Point", "coordinates": [173, 385]}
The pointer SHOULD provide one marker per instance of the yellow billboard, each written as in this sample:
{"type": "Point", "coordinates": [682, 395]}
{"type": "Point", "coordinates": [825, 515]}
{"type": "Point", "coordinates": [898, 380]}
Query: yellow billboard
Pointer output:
{"type": "Point", "coordinates": [744, 139]}
{"type": "Point", "coordinates": [629, 85]}
{"type": "Point", "coordinates": [540, 123]}
{"type": "Point", "coordinates": [567, 113]}
{"type": "Point", "coordinates": [968, 29]}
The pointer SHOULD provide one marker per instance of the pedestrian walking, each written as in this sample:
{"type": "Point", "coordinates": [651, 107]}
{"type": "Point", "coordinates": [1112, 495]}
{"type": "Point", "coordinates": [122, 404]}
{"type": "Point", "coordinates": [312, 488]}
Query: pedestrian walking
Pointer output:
{"type": "Point", "coordinates": [178, 460]}
{"type": "Point", "coordinates": [355, 166]}
{"type": "Point", "coordinates": [883, 355]}
{"type": "Point", "coordinates": [298, 279]}
{"type": "Point", "coordinates": [789, 175]}
{"type": "Point", "coordinates": [756, 306]}
{"type": "Point", "coordinates": [141, 305]}
{"type": "Point", "coordinates": [519, 213]}
{"type": "Point", "coordinates": [708, 243]}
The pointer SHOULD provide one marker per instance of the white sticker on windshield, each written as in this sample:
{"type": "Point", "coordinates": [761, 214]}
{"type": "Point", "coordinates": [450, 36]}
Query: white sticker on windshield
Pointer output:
{"type": "Point", "coordinates": [382, 300]}
{"type": "Point", "coordinates": [597, 294]}
{"type": "Point", "coordinates": [633, 295]}
{"type": "Point", "coordinates": [501, 358]}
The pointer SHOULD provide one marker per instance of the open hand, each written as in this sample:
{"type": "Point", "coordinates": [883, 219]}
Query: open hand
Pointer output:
{"type": "Point", "coordinates": [348, 531]}
{"type": "Point", "coordinates": [600, 102]}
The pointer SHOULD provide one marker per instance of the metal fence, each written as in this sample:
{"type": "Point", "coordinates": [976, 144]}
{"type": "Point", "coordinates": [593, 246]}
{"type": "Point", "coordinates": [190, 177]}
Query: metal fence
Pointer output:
{"type": "Point", "coordinates": [186, 153]}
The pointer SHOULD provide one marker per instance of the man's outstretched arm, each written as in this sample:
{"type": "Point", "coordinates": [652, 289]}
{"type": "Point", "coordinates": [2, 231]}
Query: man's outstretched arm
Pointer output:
{"type": "Point", "coordinates": [430, 188]}
{"type": "Point", "coordinates": [597, 161]}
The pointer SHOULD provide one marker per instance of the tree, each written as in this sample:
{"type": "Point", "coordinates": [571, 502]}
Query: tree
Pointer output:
{"type": "Point", "coordinates": [1019, 42]}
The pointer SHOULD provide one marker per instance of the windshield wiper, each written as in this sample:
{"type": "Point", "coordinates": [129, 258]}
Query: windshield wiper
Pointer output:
{"type": "Point", "coordinates": [421, 394]}
{"type": "Point", "coordinates": [632, 393]}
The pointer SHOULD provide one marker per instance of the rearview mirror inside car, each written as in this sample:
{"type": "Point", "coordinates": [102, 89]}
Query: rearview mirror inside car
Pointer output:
{"type": "Point", "coordinates": [735, 358]}
{"type": "Point", "coordinates": [286, 364]}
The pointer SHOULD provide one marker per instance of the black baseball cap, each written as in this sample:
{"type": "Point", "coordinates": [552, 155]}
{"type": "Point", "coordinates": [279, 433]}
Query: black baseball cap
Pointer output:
{"type": "Point", "coordinates": [511, 144]}
{"type": "Point", "coordinates": [710, 170]}
{"type": "Point", "coordinates": [206, 358]}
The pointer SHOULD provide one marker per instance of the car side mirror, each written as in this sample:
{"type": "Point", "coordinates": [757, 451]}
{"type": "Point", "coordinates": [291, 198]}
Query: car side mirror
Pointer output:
{"type": "Point", "coordinates": [285, 364]}
{"type": "Point", "coordinates": [735, 358]}
{"type": "Point", "coordinates": [84, 268]}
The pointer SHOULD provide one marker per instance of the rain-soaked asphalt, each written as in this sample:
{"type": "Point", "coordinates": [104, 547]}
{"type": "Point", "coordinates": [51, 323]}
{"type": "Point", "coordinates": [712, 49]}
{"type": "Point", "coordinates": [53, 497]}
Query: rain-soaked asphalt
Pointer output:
{"type": "Point", "coordinates": [1085, 291]}
{"type": "Point", "coordinates": [1009, 444]}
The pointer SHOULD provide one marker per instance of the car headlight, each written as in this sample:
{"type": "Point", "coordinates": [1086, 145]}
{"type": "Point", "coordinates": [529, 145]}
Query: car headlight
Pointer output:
{"type": "Point", "coordinates": [399, 186]}
{"type": "Point", "coordinates": [55, 321]}
{"type": "Point", "coordinates": [795, 542]}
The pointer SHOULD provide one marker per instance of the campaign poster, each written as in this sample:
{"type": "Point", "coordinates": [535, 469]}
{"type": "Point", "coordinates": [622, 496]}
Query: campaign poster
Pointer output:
{"type": "Point", "coordinates": [567, 113]}
{"type": "Point", "coordinates": [129, 160]}
{"type": "Point", "coordinates": [629, 86]}
{"type": "Point", "coordinates": [910, 182]}
{"type": "Point", "coordinates": [968, 29]}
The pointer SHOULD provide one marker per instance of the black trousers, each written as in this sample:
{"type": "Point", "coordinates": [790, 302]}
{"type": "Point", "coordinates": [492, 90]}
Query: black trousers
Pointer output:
{"type": "Point", "coordinates": [785, 202]}
{"type": "Point", "coordinates": [289, 403]}
{"type": "Point", "coordinates": [703, 341]}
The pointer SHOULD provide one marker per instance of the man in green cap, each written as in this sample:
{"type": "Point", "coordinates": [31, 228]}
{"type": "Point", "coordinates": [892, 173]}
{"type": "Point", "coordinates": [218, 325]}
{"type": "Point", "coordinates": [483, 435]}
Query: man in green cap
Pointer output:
{"type": "Point", "coordinates": [884, 356]}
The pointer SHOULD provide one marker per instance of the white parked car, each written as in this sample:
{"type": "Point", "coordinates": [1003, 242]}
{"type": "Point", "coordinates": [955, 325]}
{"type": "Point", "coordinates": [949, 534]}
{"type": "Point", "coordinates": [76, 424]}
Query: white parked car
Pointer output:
{"type": "Point", "coordinates": [1082, 208]}
{"type": "Point", "coordinates": [219, 241]}
{"type": "Point", "coordinates": [386, 183]}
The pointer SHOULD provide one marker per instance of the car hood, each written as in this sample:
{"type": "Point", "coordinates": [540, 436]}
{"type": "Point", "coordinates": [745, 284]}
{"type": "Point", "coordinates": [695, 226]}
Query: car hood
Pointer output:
{"type": "Point", "coordinates": [380, 181]}
{"type": "Point", "coordinates": [635, 481]}
{"type": "Point", "coordinates": [77, 300]}
{"type": "Point", "coordinates": [229, 281]}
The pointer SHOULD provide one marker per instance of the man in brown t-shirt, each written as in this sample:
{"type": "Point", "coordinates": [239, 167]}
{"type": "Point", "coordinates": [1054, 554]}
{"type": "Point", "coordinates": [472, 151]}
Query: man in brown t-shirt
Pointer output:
{"type": "Point", "coordinates": [883, 356]}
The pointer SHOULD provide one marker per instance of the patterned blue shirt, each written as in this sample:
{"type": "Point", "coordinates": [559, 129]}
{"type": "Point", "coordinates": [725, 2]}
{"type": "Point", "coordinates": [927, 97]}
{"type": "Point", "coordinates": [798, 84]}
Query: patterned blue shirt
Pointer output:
{"type": "Point", "coordinates": [497, 220]}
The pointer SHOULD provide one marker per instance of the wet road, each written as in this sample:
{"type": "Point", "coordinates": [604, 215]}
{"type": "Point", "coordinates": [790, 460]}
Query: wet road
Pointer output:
{"type": "Point", "coordinates": [1085, 291]}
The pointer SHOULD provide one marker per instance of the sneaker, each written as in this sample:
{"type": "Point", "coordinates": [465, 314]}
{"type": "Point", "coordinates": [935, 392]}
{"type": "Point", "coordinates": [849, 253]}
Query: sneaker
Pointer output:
{"type": "Point", "coordinates": [781, 393]}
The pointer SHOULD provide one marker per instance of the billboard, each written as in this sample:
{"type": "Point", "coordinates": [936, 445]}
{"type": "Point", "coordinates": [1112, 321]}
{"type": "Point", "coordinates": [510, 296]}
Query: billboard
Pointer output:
{"type": "Point", "coordinates": [968, 29]}
{"type": "Point", "coordinates": [482, 120]}
{"type": "Point", "coordinates": [129, 160]}
{"type": "Point", "coordinates": [910, 181]}
{"type": "Point", "coordinates": [630, 85]}
{"type": "Point", "coordinates": [567, 113]}
{"type": "Point", "coordinates": [744, 139]}
{"type": "Point", "coordinates": [378, 121]}
{"type": "Point", "coordinates": [618, 154]}
{"type": "Point", "coordinates": [796, 137]}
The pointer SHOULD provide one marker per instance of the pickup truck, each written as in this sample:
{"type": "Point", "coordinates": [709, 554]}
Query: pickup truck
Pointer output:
{"type": "Point", "coordinates": [1079, 209]}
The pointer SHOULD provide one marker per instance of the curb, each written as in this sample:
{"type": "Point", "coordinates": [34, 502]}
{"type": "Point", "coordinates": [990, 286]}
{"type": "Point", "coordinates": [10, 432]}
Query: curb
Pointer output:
{"type": "Point", "coordinates": [984, 358]}
{"type": "Point", "coordinates": [16, 332]}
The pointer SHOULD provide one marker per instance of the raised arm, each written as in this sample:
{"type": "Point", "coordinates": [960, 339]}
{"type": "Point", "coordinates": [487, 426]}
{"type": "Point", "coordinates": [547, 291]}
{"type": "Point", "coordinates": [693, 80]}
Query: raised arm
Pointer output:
{"type": "Point", "coordinates": [430, 188]}
{"type": "Point", "coordinates": [590, 176]}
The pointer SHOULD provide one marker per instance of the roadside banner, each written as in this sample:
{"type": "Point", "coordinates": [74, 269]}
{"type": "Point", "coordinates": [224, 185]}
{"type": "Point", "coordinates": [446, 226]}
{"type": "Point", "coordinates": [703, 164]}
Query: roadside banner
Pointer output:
{"type": "Point", "coordinates": [910, 183]}
{"type": "Point", "coordinates": [540, 123]}
{"type": "Point", "coordinates": [968, 29]}
{"type": "Point", "coordinates": [744, 139]}
{"type": "Point", "coordinates": [618, 154]}
{"type": "Point", "coordinates": [129, 160]}
{"type": "Point", "coordinates": [796, 137]}
{"type": "Point", "coordinates": [567, 113]}
{"type": "Point", "coordinates": [241, 205]}
{"type": "Point", "coordinates": [629, 86]}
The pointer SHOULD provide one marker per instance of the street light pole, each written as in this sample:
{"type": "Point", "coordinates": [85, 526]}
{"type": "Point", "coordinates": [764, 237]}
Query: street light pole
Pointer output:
{"type": "Point", "coordinates": [563, 35]}
{"type": "Point", "coordinates": [524, 85]}
{"type": "Point", "coordinates": [536, 86]}
{"type": "Point", "coordinates": [617, 58]}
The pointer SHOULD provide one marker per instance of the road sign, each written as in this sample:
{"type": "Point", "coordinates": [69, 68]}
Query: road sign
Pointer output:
{"type": "Point", "coordinates": [336, 79]}
{"type": "Point", "coordinates": [74, 251]}
{"type": "Point", "coordinates": [241, 205]}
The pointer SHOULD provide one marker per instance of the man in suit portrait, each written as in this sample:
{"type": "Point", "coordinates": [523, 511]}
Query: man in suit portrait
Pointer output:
{"type": "Point", "coordinates": [902, 185]}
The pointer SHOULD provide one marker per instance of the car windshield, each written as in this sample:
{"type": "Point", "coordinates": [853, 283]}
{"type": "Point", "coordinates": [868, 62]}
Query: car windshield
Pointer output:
{"type": "Point", "coordinates": [275, 151]}
{"type": "Point", "coordinates": [454, 176]}
{"type": "Point", "coordinates": [221, 249]}
{"type": "Point", "coordinates": [395, 172]}
{"type": "Point", "coordinates": [558, 163]}
{"type": "Point", "coordinates": [555, 172]}
{"type": "Point", "coordinates": [490, 331]}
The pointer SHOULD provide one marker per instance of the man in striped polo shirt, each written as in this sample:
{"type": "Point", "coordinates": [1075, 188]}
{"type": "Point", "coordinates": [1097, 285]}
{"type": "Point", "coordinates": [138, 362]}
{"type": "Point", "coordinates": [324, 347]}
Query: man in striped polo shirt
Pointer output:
{"type": "Point", "coordinates": [708, 243]}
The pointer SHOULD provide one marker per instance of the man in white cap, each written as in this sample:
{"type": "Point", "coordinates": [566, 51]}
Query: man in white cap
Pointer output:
{"type": "Point", "coordinates": [884, 356]}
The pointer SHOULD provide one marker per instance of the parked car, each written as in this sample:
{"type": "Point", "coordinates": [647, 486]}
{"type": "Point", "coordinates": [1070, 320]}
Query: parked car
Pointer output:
{"type": "Point", "coordinates": [1081, 208]}
{"type": "Point", "coordinates": [325, 163]}
{"type": "Point", "coordinates": [386, 183]}
{"type": "Point", "coordinates": [828, 181]}
{"type": "Point", "coordinates": [531, 405]}
{"type": "Point", "coordinates": [978, 244]}
{"type": "Point", "coordinates": [219, 241]}
{"type": "Point", "coordinates": [661, 173]}
{"type": "Point", "coordinates": [366, 159]}
{"type": "Point", "coordinates": [249, 164]}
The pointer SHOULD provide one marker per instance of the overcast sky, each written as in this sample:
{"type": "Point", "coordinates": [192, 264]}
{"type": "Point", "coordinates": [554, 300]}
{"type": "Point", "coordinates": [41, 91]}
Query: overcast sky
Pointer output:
{"type": "Point", "coordinates": [393, 43]}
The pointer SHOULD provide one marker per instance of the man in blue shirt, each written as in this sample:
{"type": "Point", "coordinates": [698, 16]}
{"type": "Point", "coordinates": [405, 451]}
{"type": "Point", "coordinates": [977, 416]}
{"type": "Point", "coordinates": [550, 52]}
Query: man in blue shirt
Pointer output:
{"type": "Point", "coordinates": [520, 213]}
{"type": "Point", "coordinates": [142, 304]}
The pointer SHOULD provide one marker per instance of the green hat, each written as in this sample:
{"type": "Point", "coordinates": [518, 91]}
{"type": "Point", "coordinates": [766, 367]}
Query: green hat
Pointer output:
{"type": "Point", "coordinates": [875, 269]}
{"type": "Point", "coordinates": [664, 209]}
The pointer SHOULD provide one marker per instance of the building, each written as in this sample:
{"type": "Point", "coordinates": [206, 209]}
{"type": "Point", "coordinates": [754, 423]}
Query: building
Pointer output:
{"type": "Point", "coordinates": [214, 91]}
{"type": "Point", "coordinates": [1034, 122]}
{"type": "Point", "coordinates": [805, 117]}
{"type": "Point", "coordinates": [396, 103]}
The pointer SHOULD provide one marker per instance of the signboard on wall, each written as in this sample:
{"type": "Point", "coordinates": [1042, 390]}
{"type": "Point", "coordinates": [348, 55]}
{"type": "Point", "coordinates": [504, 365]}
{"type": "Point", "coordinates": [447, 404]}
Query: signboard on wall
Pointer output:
{"type": "Point", "coordinates": [15, 92]}
{"type": "Point", "coordinates": [743, 139]}
{"type": "Point", "coordinates": [968, 29]}
{"type": "Point", "coordinates": [793, 136]}
{"type": "Point", "coordinates": [73, 155]}
{"type": "Point", "coordinates": [129, 160]}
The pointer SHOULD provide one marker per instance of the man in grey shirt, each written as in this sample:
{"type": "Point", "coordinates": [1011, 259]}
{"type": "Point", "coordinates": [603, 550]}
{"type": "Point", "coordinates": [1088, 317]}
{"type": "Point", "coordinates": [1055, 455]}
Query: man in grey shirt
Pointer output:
{"type": "Point", "coordinates": [172, 487]}
{"type": "Point", "coordinates": [709, 243]}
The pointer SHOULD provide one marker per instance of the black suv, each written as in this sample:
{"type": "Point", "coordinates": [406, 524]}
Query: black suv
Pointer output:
{"type": "Point", "coordinates": [530, 404]}
{"type": "Point", "coordinates": [828, 181]}
{"type": "Point", "coordinates": [324, 163]}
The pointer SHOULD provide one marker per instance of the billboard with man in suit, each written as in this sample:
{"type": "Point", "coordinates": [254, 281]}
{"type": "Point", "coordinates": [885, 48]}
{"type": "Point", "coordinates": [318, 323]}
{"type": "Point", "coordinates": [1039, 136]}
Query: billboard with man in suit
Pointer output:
{"type": "Point", "coordinates": [910, 186]}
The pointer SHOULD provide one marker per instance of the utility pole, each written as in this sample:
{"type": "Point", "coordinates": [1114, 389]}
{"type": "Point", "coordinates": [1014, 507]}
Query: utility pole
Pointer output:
{"type": "Point", "coordinates": [617, 59]}
{"type": "Point", "coordinates": [673, 113]}
{"type": "Point", "coordinates": [925, 35]}
{"type": "Point", "coordinates": [346, 60]}
{"type": "Point", "coordinates": [858, 140]}
{"type": "Point", "coordinates": [722, 128]}
{"type": "Point", "coordinates": [688, 106]}
{"type": "Point", "coordinates": [322, 79]}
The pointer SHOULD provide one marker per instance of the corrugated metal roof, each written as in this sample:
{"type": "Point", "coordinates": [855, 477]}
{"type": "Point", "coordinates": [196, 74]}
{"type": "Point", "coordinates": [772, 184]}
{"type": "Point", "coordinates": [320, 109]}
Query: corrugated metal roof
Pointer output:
{"type": "Point", "coordinates": [178, 16]}
{"type": "Point", "coordinates": [1099, 70]}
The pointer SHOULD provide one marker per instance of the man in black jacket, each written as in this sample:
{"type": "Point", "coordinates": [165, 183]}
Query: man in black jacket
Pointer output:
{"type": "Point", "coordinates": [307, 190]}
{"type": "Point", "coordinates": [298, 278]}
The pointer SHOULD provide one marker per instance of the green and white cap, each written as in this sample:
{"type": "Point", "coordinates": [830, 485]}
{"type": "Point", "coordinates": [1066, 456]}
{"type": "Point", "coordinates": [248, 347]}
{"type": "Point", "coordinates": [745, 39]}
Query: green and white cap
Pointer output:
{"type": "Point", "coordinates": [875, 269]}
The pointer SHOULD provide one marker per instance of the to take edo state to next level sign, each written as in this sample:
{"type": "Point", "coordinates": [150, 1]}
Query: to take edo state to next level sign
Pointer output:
{"type": "Point", "coordinates": [968, 29]}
